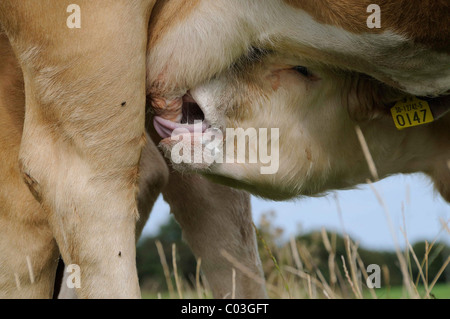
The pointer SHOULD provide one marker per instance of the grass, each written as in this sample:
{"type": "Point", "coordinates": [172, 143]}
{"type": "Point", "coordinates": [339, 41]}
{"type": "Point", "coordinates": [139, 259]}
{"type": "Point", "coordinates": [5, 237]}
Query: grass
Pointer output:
{"type": "Point", "coordinates": [439, 291]}
{"type": "Point", "coordinates": [293, 272]}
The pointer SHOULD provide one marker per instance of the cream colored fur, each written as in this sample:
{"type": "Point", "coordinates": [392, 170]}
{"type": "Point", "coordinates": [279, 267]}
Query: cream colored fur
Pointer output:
{"type": "Point", "coordinates": [76, 154]}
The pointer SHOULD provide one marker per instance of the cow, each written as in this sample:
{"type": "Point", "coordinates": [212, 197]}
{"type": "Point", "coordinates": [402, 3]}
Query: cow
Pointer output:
{"type": "Point", "coordinates": [347, 101]}
{"type": "Point", "coordinates": [80, 172]}
{"type": "Point", "coordinates": [313, 67]}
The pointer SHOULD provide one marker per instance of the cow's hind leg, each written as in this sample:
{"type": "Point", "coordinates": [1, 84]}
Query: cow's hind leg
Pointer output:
{"type": "Point", "coordinates": [28, 252]}
{"type": "Point", "coordinates": [217, 224]}
{"type": "Point", "coordinates": [153, 177]}
{"type": "Point", "coordinates": [84, 132]}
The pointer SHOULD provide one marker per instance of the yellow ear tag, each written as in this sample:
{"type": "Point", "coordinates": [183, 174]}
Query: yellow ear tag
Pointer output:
{"type": "Point", "coordinates": [411, 112]}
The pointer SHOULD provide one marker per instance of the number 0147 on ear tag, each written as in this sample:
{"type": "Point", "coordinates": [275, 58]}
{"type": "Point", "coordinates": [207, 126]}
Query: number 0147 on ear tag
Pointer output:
{"type": "Point", "coordinates": [411, 112]}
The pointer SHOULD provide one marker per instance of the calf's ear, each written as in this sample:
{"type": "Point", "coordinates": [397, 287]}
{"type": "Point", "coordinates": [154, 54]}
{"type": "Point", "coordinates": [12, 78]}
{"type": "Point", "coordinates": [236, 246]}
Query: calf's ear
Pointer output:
{"type": "Point", "coordinates": [367, 98]}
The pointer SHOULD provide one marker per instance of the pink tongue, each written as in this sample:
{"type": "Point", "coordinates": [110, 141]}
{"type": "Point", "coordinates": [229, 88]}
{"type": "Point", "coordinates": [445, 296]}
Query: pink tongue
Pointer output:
{"type": "Point", "coordinates": [165, 127]}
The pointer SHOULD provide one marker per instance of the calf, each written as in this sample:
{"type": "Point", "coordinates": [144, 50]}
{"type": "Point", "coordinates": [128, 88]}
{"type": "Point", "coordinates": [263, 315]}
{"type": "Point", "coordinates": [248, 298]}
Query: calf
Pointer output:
{"type": "Point", "coordinates": [315, 73]}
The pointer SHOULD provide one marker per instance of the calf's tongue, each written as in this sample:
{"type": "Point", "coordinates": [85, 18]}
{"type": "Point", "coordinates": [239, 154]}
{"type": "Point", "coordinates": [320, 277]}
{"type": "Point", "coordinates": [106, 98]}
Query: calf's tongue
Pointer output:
{"type": "Point", "coordinates": [165, 127]}
{"type": "Point", "coordinates": [178, 113]}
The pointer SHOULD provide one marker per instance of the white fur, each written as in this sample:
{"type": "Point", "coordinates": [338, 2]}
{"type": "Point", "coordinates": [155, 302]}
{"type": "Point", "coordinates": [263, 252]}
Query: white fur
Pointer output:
{"type": "Point", "coordinates": [218, 32]}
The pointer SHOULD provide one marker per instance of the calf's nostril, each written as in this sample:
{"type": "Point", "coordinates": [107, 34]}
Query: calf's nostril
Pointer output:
{"type": "Point", "coordinates": [191, 111]}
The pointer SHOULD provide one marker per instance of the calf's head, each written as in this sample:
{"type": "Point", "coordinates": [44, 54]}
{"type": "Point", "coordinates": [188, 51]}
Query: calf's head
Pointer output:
{"type": "Point", "coordinates": [281, 121]}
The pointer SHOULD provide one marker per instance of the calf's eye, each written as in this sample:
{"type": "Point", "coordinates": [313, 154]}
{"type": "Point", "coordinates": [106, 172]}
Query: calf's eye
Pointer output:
{"type": "Point", "coordinates": [302, 70]}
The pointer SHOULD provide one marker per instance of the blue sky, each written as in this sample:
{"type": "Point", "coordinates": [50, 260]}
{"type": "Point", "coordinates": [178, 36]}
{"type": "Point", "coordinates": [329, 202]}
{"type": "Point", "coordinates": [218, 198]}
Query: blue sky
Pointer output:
{"type": "Point", "coordinates": [363, 218]}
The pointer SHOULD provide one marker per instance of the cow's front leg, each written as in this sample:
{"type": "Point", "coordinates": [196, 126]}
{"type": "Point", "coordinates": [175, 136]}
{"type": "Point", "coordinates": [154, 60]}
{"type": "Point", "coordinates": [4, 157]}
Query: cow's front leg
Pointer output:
{"type": "Point", "coordinates": [153, 176]}
{"type": "Point", "coordinates": [84, 132]}
{"type": "Point", "coordinates": [217, 224]}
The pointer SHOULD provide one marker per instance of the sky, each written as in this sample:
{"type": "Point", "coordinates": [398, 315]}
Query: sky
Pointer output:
{"type": "Point", "coordinates": [361, 215]}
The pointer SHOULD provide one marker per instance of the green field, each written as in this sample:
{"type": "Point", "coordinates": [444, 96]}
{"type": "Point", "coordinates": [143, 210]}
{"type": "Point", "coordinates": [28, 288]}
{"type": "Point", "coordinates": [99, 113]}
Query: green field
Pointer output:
{"type": "Point", "coordinates": [440, 291]}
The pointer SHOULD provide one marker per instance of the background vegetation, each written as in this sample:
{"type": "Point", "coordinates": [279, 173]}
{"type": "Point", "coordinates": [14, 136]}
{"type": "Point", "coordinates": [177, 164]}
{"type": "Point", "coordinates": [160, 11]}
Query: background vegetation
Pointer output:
{"type": "Point", "coordinates": [315, 265]}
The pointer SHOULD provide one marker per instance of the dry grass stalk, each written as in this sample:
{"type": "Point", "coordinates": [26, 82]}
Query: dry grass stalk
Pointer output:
{"type": "Point", "coordinates": [403, 264]}
{"type": "Point", "coordinates": [387, 278]}
{"type": "Point", "coordinates": [175, 271]}
{"type": "Point", "coordinates": [245, 270]}
{"type": "Point", "coordinates": [309, 287]}
{"type": "Point", "coordinates": [365, 275]}
{"type": "Point", "coordinates": [162, 257]}
{"type": "Point", "coordinates": [197, 279]}
{"type": "Point", "coordinates": [274, 260]}
{"type": "Point", "coordinates": [441, 270]}
{"type": "Point", "coordinates": [17, 278]}
{"type": "Point", "coordinates": [355, 292]}
{"type": "Point", "coordinates": [298, 263]}
{"type": "Point", "coordinates": [352, 262]}
{"type": "Point", "coordinates": [295, 255]}
{"type": "Point", "coordinates": [367, 155]}
{"type": "Point", "coordinates": [233, 283]}
{"type": "Point", "coordinates": [313, 268]}
{"type": "Point", "coordinates": [444, 224]}
{"type": "Point", "coordinates": [331, 258]}
{"type": "Point", "coordinates": [312, 281]}
{"type": "Point", "coordinates": [419, 266]}
{"type": "Point", "coordinates": [30, 269]}
{"type": "Point", "coordinates": [425, 259]}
